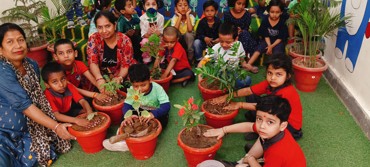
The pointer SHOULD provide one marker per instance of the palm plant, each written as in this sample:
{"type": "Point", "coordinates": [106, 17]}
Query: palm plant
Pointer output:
{"type": "Point", "coordinates": [316, 21]}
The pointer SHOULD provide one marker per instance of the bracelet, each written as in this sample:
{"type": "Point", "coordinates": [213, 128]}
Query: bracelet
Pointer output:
{"type": "Point", "coordinates": [99, 79]}
{"type": "Point", "coordinates": [55, 128]}
{"type": "Point", "coordinates": [94, 95]}
{"type": "Point", "coordinates": [223, 130]}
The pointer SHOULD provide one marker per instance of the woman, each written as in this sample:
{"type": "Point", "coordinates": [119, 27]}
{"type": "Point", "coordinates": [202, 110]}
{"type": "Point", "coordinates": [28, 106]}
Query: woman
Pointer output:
{"type": "Point", "coordinates": [28, 130]}
{"type": "Point", "coordinates": [109, 52]}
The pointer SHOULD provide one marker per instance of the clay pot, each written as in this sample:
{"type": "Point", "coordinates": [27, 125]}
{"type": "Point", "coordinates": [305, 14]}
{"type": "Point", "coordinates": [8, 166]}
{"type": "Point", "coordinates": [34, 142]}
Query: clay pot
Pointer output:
{"type": "Point", "coordinates": [194, 156]}
{"type": "Point", "coordinates": [114, 112]}
{"type": "Point", "coordinates": [39, 54]}
{"type": "Point", "coordinates": [143, 148]}
{"type": "Point", "coordinates": [165, 83]}
{"type": "Point", "coordinates": [209, 93]}
{"type": "Point", "coordinates": [218, 121]}
{"type": "Point", "coordinates": [307, 79]}
{"type": "Point", "coordinates": [92, 141]}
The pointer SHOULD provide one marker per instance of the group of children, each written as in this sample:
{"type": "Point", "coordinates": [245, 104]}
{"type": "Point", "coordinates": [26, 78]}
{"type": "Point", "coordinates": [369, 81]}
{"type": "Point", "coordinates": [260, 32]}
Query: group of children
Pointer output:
{"type": "Point", "coordinates": [277, 117]}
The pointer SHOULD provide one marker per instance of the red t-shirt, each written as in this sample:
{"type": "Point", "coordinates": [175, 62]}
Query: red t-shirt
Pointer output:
{"type": "Point", "coordinates": [289, 93]}
{"type": "Point", "coordinates": [62, 102]}
{"type": "Point", "coordinates": [284, 153]}
{"type": "Point", "coordinates": [76, 77]}
{"type": "Point", "coordinates": [179, 53]}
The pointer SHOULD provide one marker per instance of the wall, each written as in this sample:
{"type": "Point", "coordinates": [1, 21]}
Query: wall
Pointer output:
{"type": "Point", "coordinates": [349, 62]}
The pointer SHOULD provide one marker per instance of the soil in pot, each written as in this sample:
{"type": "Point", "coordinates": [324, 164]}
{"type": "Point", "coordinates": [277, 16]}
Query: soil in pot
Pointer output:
{"type": "Point", "coordinates": [215, 85]}
{"type": "Point", "coordinates": [217, 109]}
{"type": "Point", "coordinates": [194, 137]}
{"type": "Point", "coordinates": [96, 122]}
{"type": "Point", "coordinates": [115, 100]}
{"type": "Point", "coordinates": [140, 129]}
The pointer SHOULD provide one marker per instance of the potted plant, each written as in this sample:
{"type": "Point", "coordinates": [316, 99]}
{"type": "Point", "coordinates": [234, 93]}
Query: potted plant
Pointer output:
{"type": "Point", "coordinates": [315, 21]}
{"type": "Point", "coordinates": [197, 148]}
{"type": "Point", "coordinates": [141, 137]}
{"type": "Point", "coordinates": [91, 137]}
{"type": "Point", "coordinates": [114, 107]}
{"type": "Point", "coordinates": [153, 47]}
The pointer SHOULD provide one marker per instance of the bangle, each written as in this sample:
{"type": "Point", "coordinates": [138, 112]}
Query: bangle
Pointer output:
{"type": "Point", "coordinates": [99, 79]}
{"type": "Point", "coordinates": [55, 128]}
{"type": "Point", "coordinates": [223, 130]}
{"type": "Point", "coordinates": [94, 95]}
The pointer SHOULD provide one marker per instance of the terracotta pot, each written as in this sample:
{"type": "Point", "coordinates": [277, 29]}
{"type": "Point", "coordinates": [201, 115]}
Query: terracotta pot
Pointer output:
{"type": "Point", "coordinates": [194, 156]}
{"type": "Point", "coordinates": [306, 79]}
{"type": "Point", "coordinates": [209, 93]}
{"type": "Point", "coordinates": [114, 112]}
{"type": "Point", "coordinates": [39, 54]}
{"type": "Point", "coordinates": [143, 148]}
{"type": "Point", "coordinates": [92, 141]}
{"type": "Point", "coordinates": [218, 121]}
{"type": "Point", "coordinates": [165, 83]}
{"type": "Point", "coordinates": [295, 55]}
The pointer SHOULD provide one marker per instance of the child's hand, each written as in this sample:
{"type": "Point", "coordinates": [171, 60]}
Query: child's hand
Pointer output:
{"type": "Point", "coordinates": [208, 41]}
{"type": "Point", "coordinates": [214, 132]}
{"type": "Point", "coordinates": [188, 13]}
{"type": "Point", "coordinates": [215, 41]}
{"type": "Point", "coordinates": [178, 14]}
{"type": "Point", "coordinates": [146, 119]}
{"type": "Point", "coordinates": [233, 106]}
{"type": "Point", "coordinates": [239, 30]}
{"type": "Point", "coordinates": [269, 50]}
{"type": "Point", "coordinates": [103, 97]}
{"type": "Point", "coordinates": [219, 100]}
{"type": "Point", "coordinates": [130, 32]}
{"type": "Point", "coordinates": [81, 122]}
{"type": "Point", "coordinates": [129, 121]}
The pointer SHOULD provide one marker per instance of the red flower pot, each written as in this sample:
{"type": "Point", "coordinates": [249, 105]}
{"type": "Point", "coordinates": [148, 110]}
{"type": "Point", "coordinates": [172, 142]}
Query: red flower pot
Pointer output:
{"type": "Point", "coordinates": [194, 156]}
{"type": "Point", "coordinates": [165, 83]}
{"type": "Point", "coordinates": [209, 93]}
{"type": "Point", "coordinates": [218, 121]}
{"type": "Point", "coordinates": [306, 79]}
{"type": "Point", "coordinates": [114, 112]}
{"type": "Point", "coordinates": [39, 54]}
{"type": "Point", "coordinates": [143, 148]}
{"type": "Point", "coordinates": [91, 141]}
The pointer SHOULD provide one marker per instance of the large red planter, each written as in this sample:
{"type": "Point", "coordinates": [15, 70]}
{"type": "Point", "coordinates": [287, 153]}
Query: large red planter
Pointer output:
{"type": "Point", "coordinates": [92, 141]}
{"type": "Point", "coordinates": [114, 112]}
{"type": "Point", "coordinates": [307, 79]}
{"type": "Point", "coordinates": [194, 156]}
{"type": "Point", "coordinates": [143, 148]}
{"type": "Point", "coordinates": [165, 83]}
{"type": "Point", "coordinates": [218, 121]}
{"type": "Point", "coordinates": [209, 93]}
{"type": "Point", "coordinates": [39, 54]}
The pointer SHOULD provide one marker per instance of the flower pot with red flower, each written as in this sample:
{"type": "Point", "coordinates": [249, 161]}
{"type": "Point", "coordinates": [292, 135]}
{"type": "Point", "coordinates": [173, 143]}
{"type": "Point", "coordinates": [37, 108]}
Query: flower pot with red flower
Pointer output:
{"type": "Point", "coordinates": [91, 137]}
{"type": "Point", "coordinates": [197, 148]}
{"type": "Point", "coordinates": [114, 107]}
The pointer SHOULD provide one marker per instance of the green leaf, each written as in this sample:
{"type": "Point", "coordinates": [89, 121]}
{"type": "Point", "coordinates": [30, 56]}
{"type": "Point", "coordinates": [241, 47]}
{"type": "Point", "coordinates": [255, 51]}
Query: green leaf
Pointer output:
{"type": "Point", "coordinates": [128, 114]}
{"type": "Point", "coordinates": [145, 114]}
{"type": "Point", "coordinates": [178, 106]}
{"type": "Point", "coordinates": [136, 105]}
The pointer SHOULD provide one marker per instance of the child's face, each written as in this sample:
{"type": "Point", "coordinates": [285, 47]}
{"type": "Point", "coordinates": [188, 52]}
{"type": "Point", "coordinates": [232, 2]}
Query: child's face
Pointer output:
{"type": "Point", "coordinates": [57, 82]}
{"type": "Point", "coordinates": [150, 4]}
{"type": "Point", "coordinates": [143, 87]}
{"type": "Point", "coordinates": [274, 13]}
{"type": "Point", "coordinates": [226, 41]}
{"type": "Point", "coordinates": [182, 7]}
{"type": "Point", "coordinates": [268, 125]}
{"type": "Point", "coordinates": [129, 8]}
{"type": "Point", "coordinates": [169, 41]}
{"type": "Point", "coordinates": [65, 54]}
{"type": "Point", "coordinates": [239, 6]}
{"type": "Point", "coordinates": [210, 13]}
{"type": "Point", "coordinates": [105, 28]}
{"type": "Point", "coordinates": [276, 77]}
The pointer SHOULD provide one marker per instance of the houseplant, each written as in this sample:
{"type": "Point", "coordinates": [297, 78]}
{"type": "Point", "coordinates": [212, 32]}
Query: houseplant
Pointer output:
{"type": "Point", "coordinates": [197, 148]}
{"type": "Point", "coordinates": [153, 47]}
{"type": "Point", "coordinates": [315, 21]}
{"type": "Point", "coordinates": [114, 107]}
{"type": "Point", "coordinates": [141, 137]}
{"type": "Point", "coordinates": [91, 137]}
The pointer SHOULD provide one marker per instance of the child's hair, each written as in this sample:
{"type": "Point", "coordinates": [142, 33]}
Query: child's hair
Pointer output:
{"type": "Point", "coordinates": [138, 73]}
{"type": "Point", "coordinates": [120, 4]}
{"type": "Point", "coordinates": [100, 5]}
{"type": "Point", "coordinates": [210, 3]}
{"type": "Point", "coordinates": [177, 1]}
{"type": "Point", "coordinates": [61, 42]}
{"type": "Point", "coordinates": [109, 15]}
{"type": "Point", "coordinates": [280, 60]}
{"type": "Point", "coordinates": [275, 105]}
{"type": "Point", "coordinates": [52, 67]}
{"type": "Point", "coordinates": [142, 2]}
{"type": "Point", "coordinates": [231, 3]}
{"type": "Point", "coordinates": [4, 28]}
{"type": "Point", "coordinates": [171, 31]}
{"type": "Point", "coordinates": [275, 3]}
{"type": "Point", "coordinates": [228, 29]}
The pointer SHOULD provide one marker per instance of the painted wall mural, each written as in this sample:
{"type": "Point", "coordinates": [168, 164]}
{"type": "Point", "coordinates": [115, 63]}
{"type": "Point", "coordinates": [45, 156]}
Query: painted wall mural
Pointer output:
{"type": "Point", "coordinates": [350, 38]}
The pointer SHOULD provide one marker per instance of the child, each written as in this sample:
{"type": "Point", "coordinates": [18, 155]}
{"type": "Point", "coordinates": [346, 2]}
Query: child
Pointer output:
{"type": "Point", "coordinates": [279, 73]}
{"type": "Point", "coordinates": [64, 99]}
{"type": "Point", "coordinates": [273, 31]}
{"type": "Point", "coordinates": [275, 144]}
{"type": "Point", "coordinates": [150, 22]}
{"type": "Point", "coordinates": [175, 57]}
{"type": "Point", "coordinates": [88, 7]}
{"type": "Point", "coordinates": [238, 16]}
{"type": "Point", "coordinates": [100, 5]}
{"type": "Point", "coordinates": [184, 22]}
{"type": "Point", "coordinates": [154, 97]}
{"type": "Point", "coordinates": [74, 6]}
{"type": "Point", "coordinates": [76, 71]}
{"type": "Point", "coordinates": [228, 36]}
{"type": "Point", "coordinates": [129, 24]}
{"type": "Point", "coordinates": [207, 31]}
